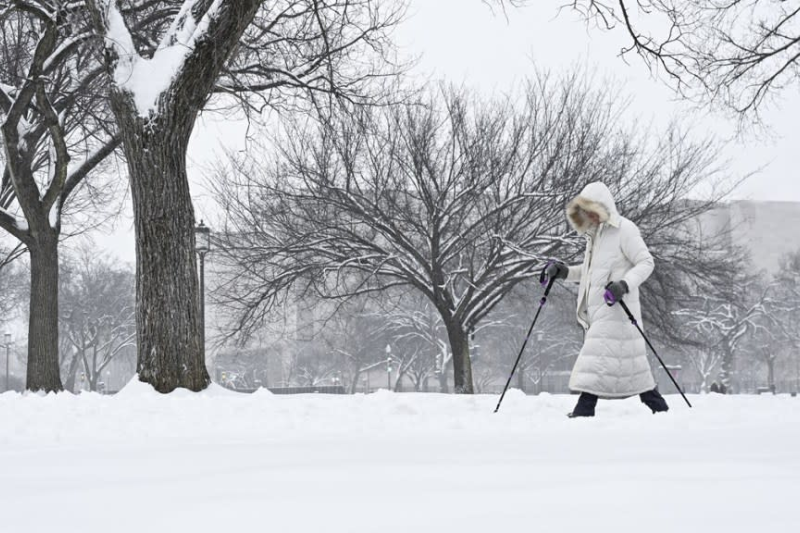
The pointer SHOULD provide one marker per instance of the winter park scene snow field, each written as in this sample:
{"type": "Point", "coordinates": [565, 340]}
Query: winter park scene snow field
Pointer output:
{"type": "Point", "coordinates": [269, 265]}
{"type": "Point", "coordinates": [223, 461]}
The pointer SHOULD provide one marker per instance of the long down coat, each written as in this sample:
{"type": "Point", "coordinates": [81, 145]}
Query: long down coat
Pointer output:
{"type": "Point", "coordinates": [613, 361]}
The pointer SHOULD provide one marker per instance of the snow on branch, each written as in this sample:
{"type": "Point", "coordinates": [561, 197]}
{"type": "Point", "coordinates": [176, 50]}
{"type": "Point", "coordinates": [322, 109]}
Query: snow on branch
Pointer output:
{"type": "Point", "coordinates": [12, 224]}
{"type": "Point", "coordinates": [147, 79]}
{"type": "Point", "coordinates": [64, 48]}
{"type": "Point", "coordinates": [52, 110]}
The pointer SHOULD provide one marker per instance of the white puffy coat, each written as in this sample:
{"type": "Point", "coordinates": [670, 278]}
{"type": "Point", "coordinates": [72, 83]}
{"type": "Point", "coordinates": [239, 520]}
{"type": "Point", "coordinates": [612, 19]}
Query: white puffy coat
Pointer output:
{"type": "Point", "coordinates": [613, 361]}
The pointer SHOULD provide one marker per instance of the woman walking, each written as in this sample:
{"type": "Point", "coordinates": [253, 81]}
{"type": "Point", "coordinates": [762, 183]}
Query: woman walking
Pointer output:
{"type": "Point", "coordinates": [613, 361]}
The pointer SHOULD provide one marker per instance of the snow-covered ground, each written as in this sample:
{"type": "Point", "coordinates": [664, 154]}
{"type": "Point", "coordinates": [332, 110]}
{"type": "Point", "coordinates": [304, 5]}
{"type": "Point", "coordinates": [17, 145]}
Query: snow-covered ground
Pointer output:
{"type": "Point", "coordinates": [225, 462]}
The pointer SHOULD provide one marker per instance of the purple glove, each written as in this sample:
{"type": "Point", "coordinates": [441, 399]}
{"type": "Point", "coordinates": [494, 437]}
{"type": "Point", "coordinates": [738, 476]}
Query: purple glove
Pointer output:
{"type": "Point", "coordinates": [615, 291]}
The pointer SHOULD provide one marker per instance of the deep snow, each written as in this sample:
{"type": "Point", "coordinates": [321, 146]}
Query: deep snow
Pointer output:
{"type": "Point", "coordinates": [222, 461]}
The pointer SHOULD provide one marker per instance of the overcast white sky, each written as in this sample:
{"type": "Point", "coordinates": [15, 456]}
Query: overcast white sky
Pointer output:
{"type": "Point", "coordinates": [462, 41]}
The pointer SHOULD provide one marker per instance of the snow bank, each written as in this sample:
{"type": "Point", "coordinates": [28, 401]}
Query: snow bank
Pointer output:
{"type": "Point", "coordinates": [138, 390]}
{"type": "Point", "coordinates": [219, 461]}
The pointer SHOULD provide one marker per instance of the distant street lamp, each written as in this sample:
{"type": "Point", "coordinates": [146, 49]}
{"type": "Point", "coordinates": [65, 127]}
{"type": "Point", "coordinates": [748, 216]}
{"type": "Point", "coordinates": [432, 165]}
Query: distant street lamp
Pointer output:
{"type": "Point", "coordinates": [388, 367]}
{"type": "Point", "coordinates": [202, 246]}
{"type": "Point", "coordinates": [7, 339]}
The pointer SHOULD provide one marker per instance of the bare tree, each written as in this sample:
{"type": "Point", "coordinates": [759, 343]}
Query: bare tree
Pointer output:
{"type": "Point", "coordinates": [706, 362]}
{"type": "Point", "coordinates": [778, 337]}
{"type": "Point", "coordinates": [733, 52]}
{"type": "Point", "coordinates": [311, 365]}
{"type": "Point", "coordinates": [356, 335]}
{"type": "Point", "coordinates": [313, 343]}
{"type": "Point", "coordinates": [335, 341]}
{"type": "Point", "coordinates": [418, 330]}
{"type": "Point", "coordinates": [556, 338]}
{"type": "Point", "coordinates": [422, 196]}
{"type": "Point", "coordinates": [165, 60]}
{"type": "Point", "coordinates": [97, 309]}
{"type": "Point", "coordinates": [252, 364]}
{"type": "Point", "coordinates": [54, 134]}
{"type": "Point", "coordinates": [458, 199]}
{"type": "Point", "coordinates": [726, 316]}
{"type": "Point", "coordinates": [11, 282]}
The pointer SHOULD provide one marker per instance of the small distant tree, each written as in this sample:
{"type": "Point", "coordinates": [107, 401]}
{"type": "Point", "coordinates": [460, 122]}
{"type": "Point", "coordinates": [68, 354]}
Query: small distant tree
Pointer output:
{"type": "Point", "coordinates": [706, 362]}
{"type": "Point", "coordinates": [724, 317]}
{"type": "Point", "coordinates": [779, 336]}
{"type": "Point", "coordinates": [12, 284]}
{"type": "Point", "coordinates": [245, 367]}
{"type": "Point", "coordinates": [98, 317]}
{"type": "Point", "coordinates": [353, 336]}
{"type": "Point", "coordinates": [418, 331]}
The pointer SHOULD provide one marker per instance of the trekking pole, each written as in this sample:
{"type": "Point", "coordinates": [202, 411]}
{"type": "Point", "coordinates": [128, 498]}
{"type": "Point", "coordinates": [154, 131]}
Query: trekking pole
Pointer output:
{"type": "Point", "coordinates": [549, 284]}
{"type": "Point", "coordinates": [610, 298]}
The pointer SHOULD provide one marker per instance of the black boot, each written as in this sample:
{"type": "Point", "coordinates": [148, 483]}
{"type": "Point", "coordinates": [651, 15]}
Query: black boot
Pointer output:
{"type": "Point", "coordinates": [585, 406]}
{"type": "Point", "coordinates": [654, 401]}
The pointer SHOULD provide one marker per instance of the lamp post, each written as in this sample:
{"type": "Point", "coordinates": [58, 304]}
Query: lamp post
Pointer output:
{"type": "Point", "coordinates": [202, 246]}
{"type": "Point", "coordinates": [388, 367]}
{"type": "Point", "coordinates": [7, 339]}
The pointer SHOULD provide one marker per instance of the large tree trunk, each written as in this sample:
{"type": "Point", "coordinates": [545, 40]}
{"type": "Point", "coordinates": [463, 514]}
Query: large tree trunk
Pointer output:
{"type": "Point", "coordinates": [170, 351]}
{"type": "Point", "coordinates": [170, 354]}
{"type": "Point", "coordinates": [462, 366]}
{"type": "Point", "coordinates": [43, 363]}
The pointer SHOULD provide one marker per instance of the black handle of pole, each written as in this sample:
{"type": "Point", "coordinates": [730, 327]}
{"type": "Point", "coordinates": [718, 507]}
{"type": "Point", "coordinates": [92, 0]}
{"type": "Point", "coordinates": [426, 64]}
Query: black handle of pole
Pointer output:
{"type": "Point", "coordinates": [635, 323]}
{"type": "Point", "coordinates": [542, 302]}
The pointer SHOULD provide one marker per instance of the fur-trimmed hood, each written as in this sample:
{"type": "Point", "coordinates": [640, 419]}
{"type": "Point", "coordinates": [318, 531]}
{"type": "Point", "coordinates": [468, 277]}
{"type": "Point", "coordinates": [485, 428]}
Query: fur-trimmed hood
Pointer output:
{"type": "Point", "coordinates": [595, 197]}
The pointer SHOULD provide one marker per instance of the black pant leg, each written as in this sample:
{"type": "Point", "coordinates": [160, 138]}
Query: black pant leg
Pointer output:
{"type": "Point", "coordinates": [586, 404]}
{"type": "Point", "coordinates": [654, 401]}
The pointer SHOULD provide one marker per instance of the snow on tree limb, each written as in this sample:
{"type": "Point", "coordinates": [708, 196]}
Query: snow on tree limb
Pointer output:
{"type": "Point", "coordinates": [183, 26]}
{"type": "Point", "coordinates": [47, 96]}
{"type": "Point", "coordinates": [147, 79]}
{"type": "Point", "coordinates": [16, 227]}
{"type": "Point", "coordinates": [64, 48]}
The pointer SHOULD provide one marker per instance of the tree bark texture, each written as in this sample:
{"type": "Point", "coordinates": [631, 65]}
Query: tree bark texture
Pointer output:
{"type": "Point", "coordinates": [169, 341]}
{"type": "Point", "coordinates": [462, 366]}
{"type": "Point", "coordinates": [167, 315]}
{"type": "Point", "coordinates": [43, 368]}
